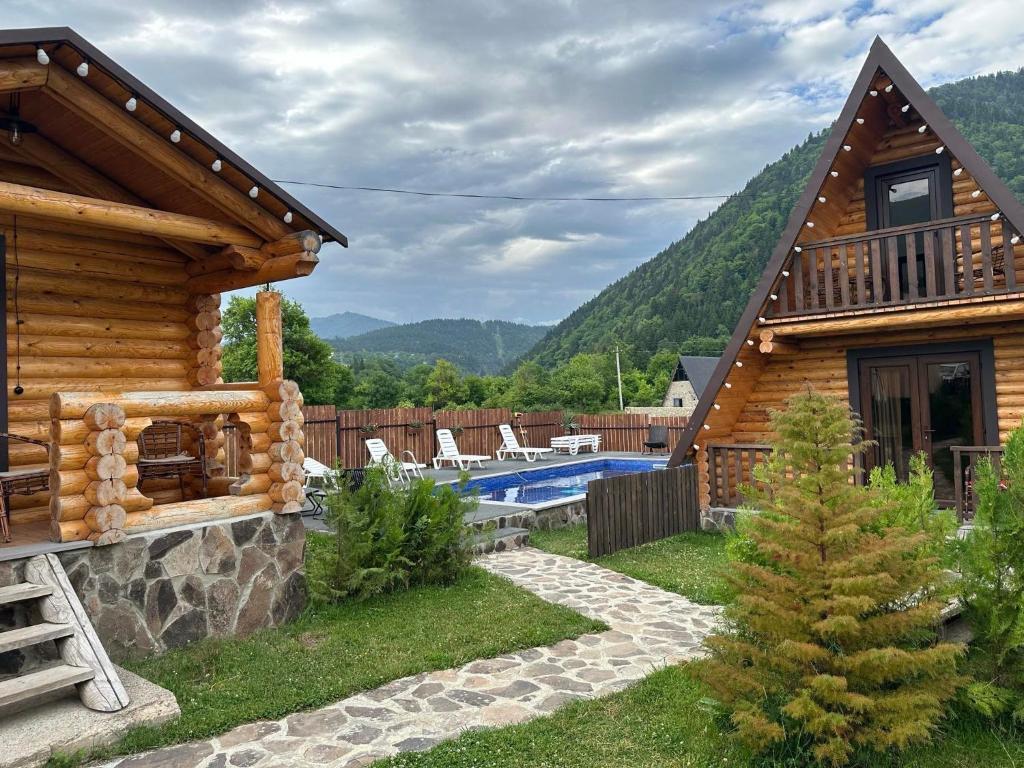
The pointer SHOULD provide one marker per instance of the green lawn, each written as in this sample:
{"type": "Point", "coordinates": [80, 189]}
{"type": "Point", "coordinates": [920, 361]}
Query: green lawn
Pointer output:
{"type": "Point", "coordinates": [331, 652]}
{"type": "Point", "coordinates": [689, 564]}
{"type": "Point", "coordinates": [661, 723]}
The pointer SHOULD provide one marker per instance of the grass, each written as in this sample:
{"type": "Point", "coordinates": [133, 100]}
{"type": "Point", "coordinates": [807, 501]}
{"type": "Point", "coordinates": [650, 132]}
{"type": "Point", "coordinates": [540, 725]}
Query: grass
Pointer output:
{"type": "Point", "coordinates": [333, 651]}
{"type": "Point", "coordinates": [690, 564]}
{"type": "Point", "coordinates": [662, 723]}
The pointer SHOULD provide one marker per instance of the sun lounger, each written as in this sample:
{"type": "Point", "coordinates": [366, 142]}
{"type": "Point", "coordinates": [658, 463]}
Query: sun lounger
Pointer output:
{"type": "Point", "coordinates": [510, 446]}
{"type": "Point", "coordinates": [572, 444]}
{"type": "Point", "coordinates": [449, 452]}
{"type": "Point", "coordinates": [398, 471]}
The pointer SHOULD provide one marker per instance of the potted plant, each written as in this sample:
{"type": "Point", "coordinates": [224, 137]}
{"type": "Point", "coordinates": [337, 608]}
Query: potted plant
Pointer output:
{"type": "Point", "coordinates": [369, 429]}
{"type": "Point", "coordinates": [414, 427]}
{"type": "Point", "coordinates": [569, 423]}
{"type": "Point", "coordinates": [457, 430]}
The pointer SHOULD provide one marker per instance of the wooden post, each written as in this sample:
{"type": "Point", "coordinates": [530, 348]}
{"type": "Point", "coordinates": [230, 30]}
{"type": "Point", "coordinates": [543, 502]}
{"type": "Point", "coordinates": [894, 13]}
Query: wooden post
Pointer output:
{"type": "Point", "coordinates": [269, 350]}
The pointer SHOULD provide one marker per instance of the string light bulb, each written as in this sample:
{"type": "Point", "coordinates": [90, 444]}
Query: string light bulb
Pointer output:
{"type": "Point", "coordinates": [976, 193]}
{"type": "Point", "coordinates": [860, 121]}
{"type": "Point", "coordinates": [888, 88]}
{"type": "Point", "coordinates": [873, 92]}
{"type": "Point", "coordinates": [810, 225]}
{"type": "Point", "coordinates": [718, 407]}
{"type": "Point", "coordinates": [774, 297]}
{"type": "Point", "coordinates": [254, 192]}
{"type": "Point", "coordinates": [905, 108]}
{"type": "Point", "coordinates": [41, 57]}
{"type": "Point", "coordinates": [940, 150]}
{"type": "Point", "coordinates": [83, 68]}
{"type": "Point", "coordinates": [132, 104]}
{"type": "Point", "coordinates": [847, 148]}
{"type": "Point", "coordinates": [707, 426]}
{"type": "Point", "coordinates": [995, 216]}
{"type": "Point", "coordinates": [923, 128]}
{"type": "Point", "coordinates": [175, 136]}
{"type": "Point", "coordinates": [958, 172]}
{"type": "Point", "coordinates": [797, 248]}
{"type": "Point", "coordinates": [785, 273]}
{"type": "Point", "coordinates": [215, 166]}
{"type": "Point", "coordinates": [739, 363]}
{"type": "Point", "coordinates": [834, 174]}
{"type": "Point", "coordinates": [750, 342]}
{"type": "Point", "coordinates": [728, 385]}
{"type": "Point", "coordinates": [821, 198]}
{"type": "Point", "coordinates": [1015, 239]}
{"type": "Point", "coordinates": [287, 217]}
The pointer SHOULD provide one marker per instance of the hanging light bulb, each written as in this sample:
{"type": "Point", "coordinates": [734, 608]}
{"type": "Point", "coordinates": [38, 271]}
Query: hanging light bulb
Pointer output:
{"type": "Point", "coordinates": [905, 108]}
{"type": "Point", "coordinates": [728, 385]}
{"type": "Point", "coordinates": [995, 216]}
{"type": "Point", "coordinates": [860, 121]}
{"type": "Point", "coordinates": [254, 192]}
{"type": "Point", "coordinates": [873, 92]}
{"type": "Point", "coordinates": [131, 104]}
{"type": "Point", "coordinates": [750, 342]}
{"type": "Point", "coordinates": [940, 150]}
{"type": "Point", "coordinates": [216, 165]}
{"type": "Point", "coordinates": [41, 57]}
{"type": "Point", "coordinates": [696, 447]}
{"type": "Point", "coordinates": [923, 128]}
{"type": "Point", "coordinates": [775, 297]}
{"type": "Point", "coordinates": [958, 171]}
{"type": "Point", "coordinates": [797, 248]}
{"type": "Point", "coordinates": [834, 174]}
{"type": "Point", "coordinates": [888, 88]}
{"type": "Point", "coordinates": [175, 136]}
{"type": "Point", "coordinates": [821, 198]}
{"type": "Point", "coordinates": [976, 193]}
{"type": "Point", "coordinates": [717, 407]}
{"type": "Point", "coordinates": [1015, 239]}
{"type": "Point", "coordinates": [83, 68]}
{"type": "Point", "coordinates": [810, 225]}
{"type": "Point", "coordinates": [739, 363]}
{"type": "Point", "coordinates": [287, 217]}
{"type": "Point", "coordinates": [707, 426]}
{"type": "Point", "coordinates": [785, 273]}
{"type": "Point", "coordinates": [847, 148]}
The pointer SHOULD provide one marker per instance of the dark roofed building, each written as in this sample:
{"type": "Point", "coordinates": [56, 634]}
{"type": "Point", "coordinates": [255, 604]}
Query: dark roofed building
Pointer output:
{"type": "Point", "coordinates": [691, 375]}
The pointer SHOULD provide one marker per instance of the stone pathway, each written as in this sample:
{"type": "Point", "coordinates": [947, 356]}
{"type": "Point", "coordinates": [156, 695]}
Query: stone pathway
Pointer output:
{"type": "Point", "coordinates": [650, 628]}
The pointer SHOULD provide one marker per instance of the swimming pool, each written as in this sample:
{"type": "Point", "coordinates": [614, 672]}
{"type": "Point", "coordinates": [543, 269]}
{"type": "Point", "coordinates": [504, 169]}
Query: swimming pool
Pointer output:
{"type": "Point", "coordinates": [544, 485]}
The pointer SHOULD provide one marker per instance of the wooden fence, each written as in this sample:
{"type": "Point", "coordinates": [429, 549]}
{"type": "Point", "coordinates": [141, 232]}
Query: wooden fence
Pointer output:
{"type": "Point", "coordinates": [628, 431]}
{"type": "Point", "coordinates": [334, 436]}
{"type": "Point", "coordinates": [630, 510]}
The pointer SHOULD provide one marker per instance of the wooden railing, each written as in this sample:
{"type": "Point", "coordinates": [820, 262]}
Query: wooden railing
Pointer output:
{"type": "Point", "coordinates": [731, 466]}
{"type": "Point", "coordinates": [954, 258]}
{"type": "Point", "coordinates": [965, 460]}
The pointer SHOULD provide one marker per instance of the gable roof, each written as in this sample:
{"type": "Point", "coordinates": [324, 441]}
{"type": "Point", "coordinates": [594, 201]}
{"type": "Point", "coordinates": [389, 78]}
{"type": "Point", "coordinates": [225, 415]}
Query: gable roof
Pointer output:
{"type": "Point", "coordinates": [698, 370]}
{"type": "Point", "coordinates": [272, 197]}
{"type": "Point", "coordinates": [880, 58]}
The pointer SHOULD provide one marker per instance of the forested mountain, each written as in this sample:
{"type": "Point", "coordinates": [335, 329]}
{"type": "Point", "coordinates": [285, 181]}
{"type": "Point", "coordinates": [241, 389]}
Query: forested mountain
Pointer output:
{"type": "Point", "coordinates": [474, 346]}
{"type": "Point", "coordinates": [689, 296]}
{"type": "Point", "coordinates": [345, 324]}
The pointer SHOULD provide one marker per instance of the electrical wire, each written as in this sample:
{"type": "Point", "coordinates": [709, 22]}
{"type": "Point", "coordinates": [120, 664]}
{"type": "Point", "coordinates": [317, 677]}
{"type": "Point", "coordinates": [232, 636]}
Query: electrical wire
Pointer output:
{"type": "Point", "coordinates": [524, 198]}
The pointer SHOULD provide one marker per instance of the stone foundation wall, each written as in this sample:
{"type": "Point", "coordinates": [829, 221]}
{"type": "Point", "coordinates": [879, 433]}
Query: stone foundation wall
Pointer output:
{"type": "Point", "coordinates": [165, 589]}
{"type": "Point", "coordinates": [718, 519]}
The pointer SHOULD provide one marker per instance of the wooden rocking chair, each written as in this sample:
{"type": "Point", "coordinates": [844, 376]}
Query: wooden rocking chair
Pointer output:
{"type": "Point", "coordinates": [21, 482]}
{"type": "Point", "coordinates": [161, 454]}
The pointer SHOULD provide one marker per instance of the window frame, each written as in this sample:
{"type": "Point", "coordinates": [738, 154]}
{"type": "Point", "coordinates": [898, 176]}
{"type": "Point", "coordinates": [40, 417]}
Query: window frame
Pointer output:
{"type": "Point", "coordinates": [877, 176]}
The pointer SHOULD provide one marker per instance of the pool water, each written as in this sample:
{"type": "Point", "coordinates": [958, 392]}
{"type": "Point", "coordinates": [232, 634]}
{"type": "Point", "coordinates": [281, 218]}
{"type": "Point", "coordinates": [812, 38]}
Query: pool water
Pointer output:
{"type": "Point", "coordinates": [546, 484]}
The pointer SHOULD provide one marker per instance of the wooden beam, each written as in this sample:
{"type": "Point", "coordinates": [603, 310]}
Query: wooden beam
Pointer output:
{"type": "Point", "coordinates": [269, 349]}
{"type": "Point", "coordinates": [113, 120]}
{"type": "Point", "coordinates": [21, 75]}
{"type": "Point", "coordinates": [956, 315]}
{"type": "Point", "coordinates": [249, 259]}
{"type": "Point", "coordinates": [44, 203]}
{"type": "Point", "coordinates": [778, 348]}
{"type": "Point", "coordinates": [282, 268]}
{"type": "Point", "coordinates": [88, 181]}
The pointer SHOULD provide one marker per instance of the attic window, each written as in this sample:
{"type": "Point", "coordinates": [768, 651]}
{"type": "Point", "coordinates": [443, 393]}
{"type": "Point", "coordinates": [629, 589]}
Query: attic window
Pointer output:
{"type": "Point", "coordinates": [910, 191]}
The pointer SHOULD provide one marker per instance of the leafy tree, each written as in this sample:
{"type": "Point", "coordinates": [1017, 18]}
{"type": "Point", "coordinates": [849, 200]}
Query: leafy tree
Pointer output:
{"type": "Point", "coordinates": [831, 642]}
{"type": "Point", "coordinates": [377, 389]}
{"type": "Point", "coordinates": [584, 382]}
{"type": "Point", "coordinates": [992, 566]}
{"type": "Point", "coordinates": [308, 359]}
{"type": "Point", "coordinates": [445, 387]}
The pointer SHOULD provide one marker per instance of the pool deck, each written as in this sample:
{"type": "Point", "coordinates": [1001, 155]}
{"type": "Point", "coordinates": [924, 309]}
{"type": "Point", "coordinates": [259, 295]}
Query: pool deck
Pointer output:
{"type": "Point", "coordinates": [495, 467]}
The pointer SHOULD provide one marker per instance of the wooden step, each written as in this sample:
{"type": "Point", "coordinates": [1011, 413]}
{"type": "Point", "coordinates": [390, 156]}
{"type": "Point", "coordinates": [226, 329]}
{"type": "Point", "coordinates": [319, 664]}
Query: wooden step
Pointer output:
{"type": "Point", "coordinates": [18, 592]}
{"type": "Point", "coordinates": [36, 684]}
{"type": "Point", "coordinates": [33, 634]}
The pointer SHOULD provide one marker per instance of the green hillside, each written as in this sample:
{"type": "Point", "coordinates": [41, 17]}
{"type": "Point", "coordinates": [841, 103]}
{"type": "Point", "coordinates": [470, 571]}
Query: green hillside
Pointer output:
{"type": "Point", "coordinates": [474, 346]}
{"type": "Point", "coordinates": [689, 296]}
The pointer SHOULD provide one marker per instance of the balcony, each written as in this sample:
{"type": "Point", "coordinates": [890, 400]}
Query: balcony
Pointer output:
{"type": "Point", "coordinates": [967, 258]}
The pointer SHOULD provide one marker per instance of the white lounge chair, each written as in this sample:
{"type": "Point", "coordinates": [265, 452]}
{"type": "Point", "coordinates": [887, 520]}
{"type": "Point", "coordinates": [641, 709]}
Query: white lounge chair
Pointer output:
{"type": "Point", "coordinates": [510, 446]}
{"type": "Point", "coordinates": [398, 471]}
{"type": "Point", "coordinates": [449, 452]}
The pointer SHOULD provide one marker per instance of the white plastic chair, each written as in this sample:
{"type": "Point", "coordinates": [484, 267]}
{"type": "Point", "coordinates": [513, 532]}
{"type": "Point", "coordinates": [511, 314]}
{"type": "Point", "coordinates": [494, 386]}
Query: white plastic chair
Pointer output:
{"type": "Point", "coordinates": [398, 471]}
{"type": "Point", "coordinates": [510, 446]}
{"type": "Point", "coordinates": [449, 452]}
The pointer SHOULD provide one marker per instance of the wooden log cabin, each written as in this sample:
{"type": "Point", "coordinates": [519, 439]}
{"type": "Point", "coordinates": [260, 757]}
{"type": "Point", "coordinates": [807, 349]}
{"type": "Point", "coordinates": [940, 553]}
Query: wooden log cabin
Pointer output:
{"type": "Point", "coordinates": [123, 222]}
{"type": "Point", "coordinates": [897, 287]}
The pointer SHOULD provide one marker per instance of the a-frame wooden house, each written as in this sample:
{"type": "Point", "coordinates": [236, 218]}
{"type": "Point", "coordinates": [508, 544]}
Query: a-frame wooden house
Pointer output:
{"type": "Point", "coordinates": [897, 286]}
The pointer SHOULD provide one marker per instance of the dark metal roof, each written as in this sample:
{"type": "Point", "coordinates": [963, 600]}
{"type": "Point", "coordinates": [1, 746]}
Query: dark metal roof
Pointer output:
{"type": "Point", "coordinates": [880, 57]}
{"type": "Point", "coordinates": [68, 36]}
{"type": "Point", "coordinates": [698, 370]}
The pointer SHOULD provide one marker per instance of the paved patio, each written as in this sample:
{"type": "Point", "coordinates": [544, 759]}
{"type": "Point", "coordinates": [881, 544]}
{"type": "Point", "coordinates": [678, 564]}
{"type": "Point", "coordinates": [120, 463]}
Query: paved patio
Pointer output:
{"type": "Point", "coordinates": [649, 629]}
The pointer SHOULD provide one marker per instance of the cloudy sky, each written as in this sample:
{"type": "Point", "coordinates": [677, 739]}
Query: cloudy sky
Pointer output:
{"type": "Point", "coordinates": [522, 97]}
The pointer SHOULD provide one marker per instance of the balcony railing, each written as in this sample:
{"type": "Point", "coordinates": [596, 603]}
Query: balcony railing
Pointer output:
{"type": "Point", "coordinates": [731, 466]}
{"type": "Point", "coordinates": [957, 258]}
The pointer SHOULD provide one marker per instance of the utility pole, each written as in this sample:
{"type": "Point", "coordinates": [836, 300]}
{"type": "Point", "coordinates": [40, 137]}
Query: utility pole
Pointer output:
{"type": "Point", "coordinates": [618, 375]}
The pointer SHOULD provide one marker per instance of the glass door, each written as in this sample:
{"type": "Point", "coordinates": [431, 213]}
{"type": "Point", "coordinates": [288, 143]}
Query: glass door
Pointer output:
{"type": "Point", "coordinates": [926, 403]}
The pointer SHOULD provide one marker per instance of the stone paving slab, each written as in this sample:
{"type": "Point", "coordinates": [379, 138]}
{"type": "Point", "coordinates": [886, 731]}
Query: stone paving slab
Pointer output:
{"type": "Point", "coordinates": [649, 628]}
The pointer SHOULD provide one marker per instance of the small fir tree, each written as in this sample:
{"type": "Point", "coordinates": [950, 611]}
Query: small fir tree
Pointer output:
{"type": "Point", "coordinates": [830, 644]}
{"type": "Point", "coordinates": [992, 565]}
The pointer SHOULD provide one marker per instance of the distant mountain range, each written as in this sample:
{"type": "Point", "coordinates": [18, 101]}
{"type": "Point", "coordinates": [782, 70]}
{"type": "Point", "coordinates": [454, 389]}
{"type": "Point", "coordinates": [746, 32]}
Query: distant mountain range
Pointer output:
{"type": "Point", "coordinates": [345, 324]}
{"type": "Point", "coordinates": [482, 347]}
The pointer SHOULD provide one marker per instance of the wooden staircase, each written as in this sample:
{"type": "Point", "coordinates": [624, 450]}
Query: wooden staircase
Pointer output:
{"type": "Point", "coordinates": [83, 660]}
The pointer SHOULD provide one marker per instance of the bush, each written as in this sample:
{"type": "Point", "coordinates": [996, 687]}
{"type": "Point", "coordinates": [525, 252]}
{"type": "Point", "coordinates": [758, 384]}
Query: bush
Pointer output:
{"type": "Point", "coordinates": [830, 646]}
{"type": "Point", "coordinates": [992, 567]}
{"type": "Point", "coordinates": [391, 538]}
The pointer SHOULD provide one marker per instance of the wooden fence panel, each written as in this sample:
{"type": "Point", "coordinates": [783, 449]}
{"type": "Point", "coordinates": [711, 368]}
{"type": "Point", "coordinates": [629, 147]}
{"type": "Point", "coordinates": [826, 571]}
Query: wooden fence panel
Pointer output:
{"type": "Point", "coordinates": [475, 431]}
{"type": "Point", "coordinates": [401, 429]}
{"type": "Point", "coordinates": [539, 428]}
{"type": "Point", "coordinates": [320, 430]}
{"type": "Point", "coordinates": [630, 510]}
